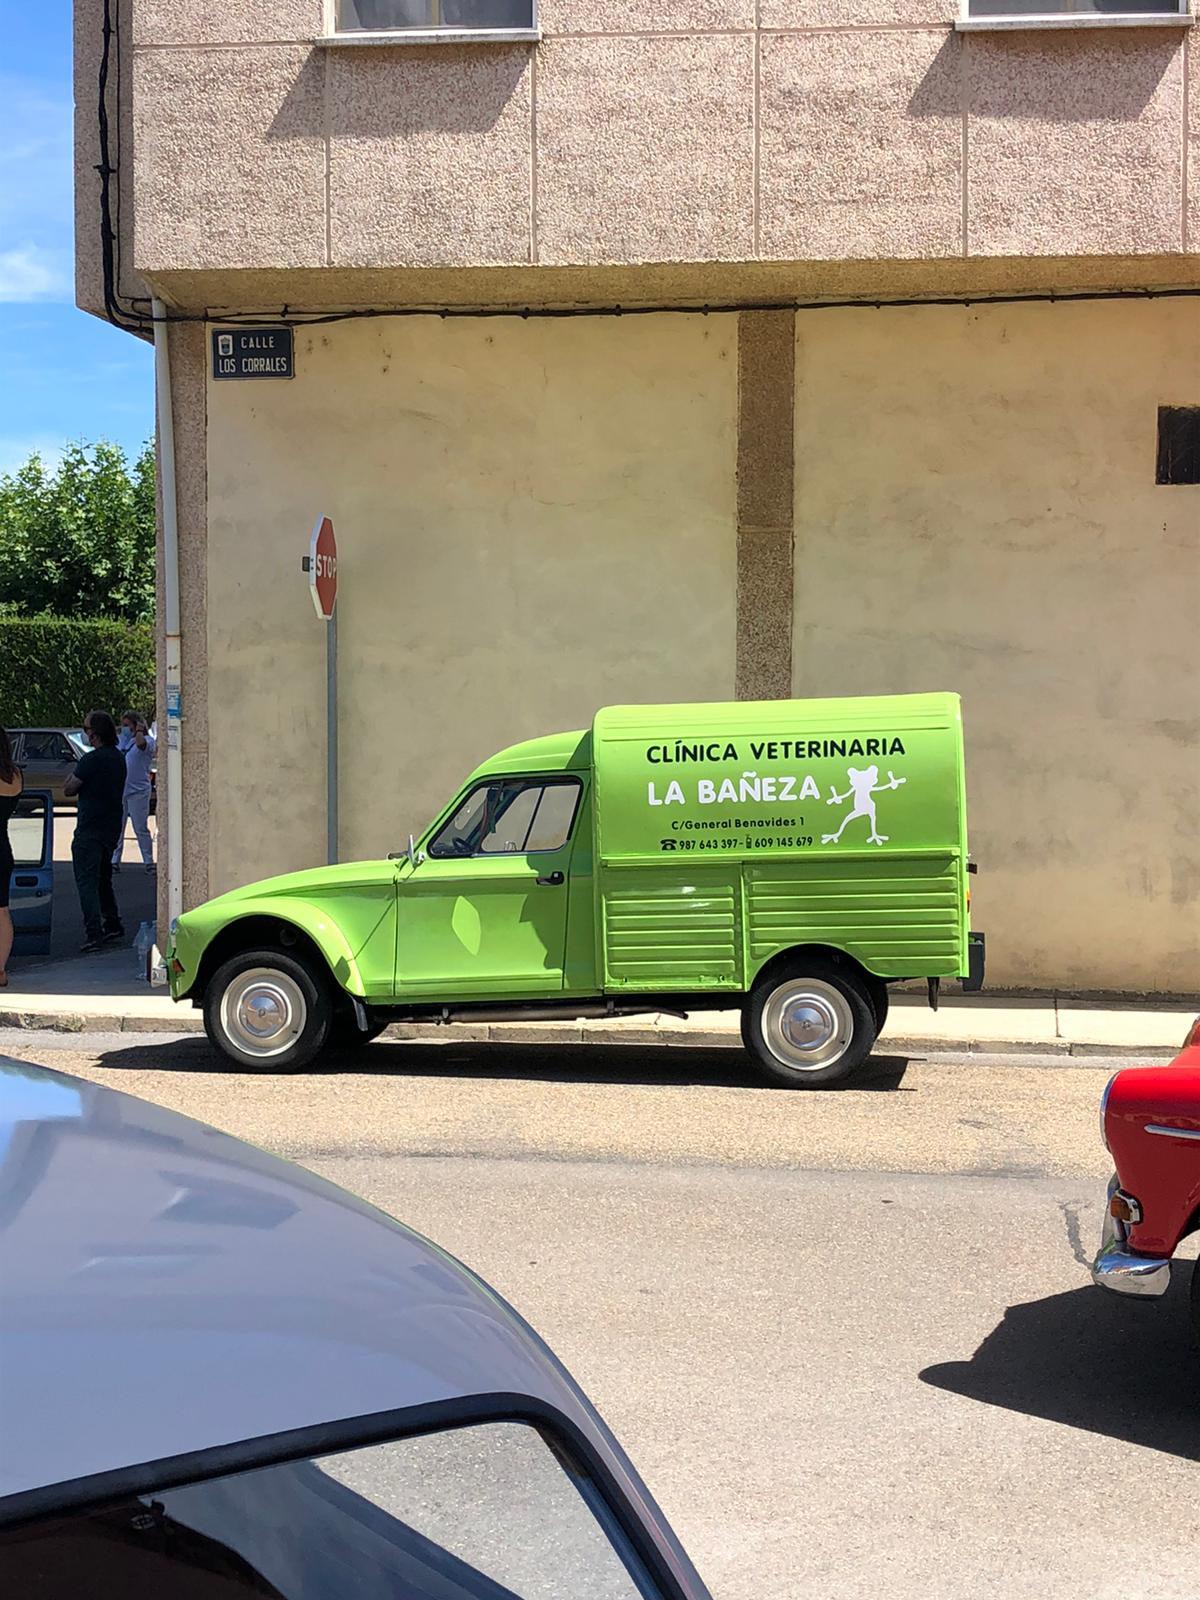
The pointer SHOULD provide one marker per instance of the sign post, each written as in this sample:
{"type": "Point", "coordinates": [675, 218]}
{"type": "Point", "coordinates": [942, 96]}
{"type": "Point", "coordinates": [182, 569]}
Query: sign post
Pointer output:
{"type": "Point", "coordinates": [321, 566]}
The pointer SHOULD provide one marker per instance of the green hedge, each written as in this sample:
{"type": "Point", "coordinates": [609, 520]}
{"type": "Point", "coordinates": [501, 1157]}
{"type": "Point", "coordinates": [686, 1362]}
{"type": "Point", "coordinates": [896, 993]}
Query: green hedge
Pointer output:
{"type": "Point", "coordinates": [53, 671]}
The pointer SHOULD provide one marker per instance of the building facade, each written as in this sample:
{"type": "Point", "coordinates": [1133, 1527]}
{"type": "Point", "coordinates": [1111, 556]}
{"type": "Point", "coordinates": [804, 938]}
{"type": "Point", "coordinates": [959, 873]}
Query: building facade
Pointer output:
{"type": "Point", "coordinates": [843, 392]}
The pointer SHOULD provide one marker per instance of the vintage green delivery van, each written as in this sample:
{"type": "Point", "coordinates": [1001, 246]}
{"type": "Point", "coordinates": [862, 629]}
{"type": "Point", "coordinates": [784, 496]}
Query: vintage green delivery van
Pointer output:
{"type": "Point", "coordinates": [785, 858]}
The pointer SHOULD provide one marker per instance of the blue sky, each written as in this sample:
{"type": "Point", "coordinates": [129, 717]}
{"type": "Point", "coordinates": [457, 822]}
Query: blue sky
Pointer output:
{"type": "Point", "coordinates": [64, 375]}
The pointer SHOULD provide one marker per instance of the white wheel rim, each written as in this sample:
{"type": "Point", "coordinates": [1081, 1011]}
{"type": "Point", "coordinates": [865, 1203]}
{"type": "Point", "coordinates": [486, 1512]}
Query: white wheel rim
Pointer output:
{"type": "Point", "coordinates": [807, 1024]}
{"type": "Point", "coordinates": [263, 1012]}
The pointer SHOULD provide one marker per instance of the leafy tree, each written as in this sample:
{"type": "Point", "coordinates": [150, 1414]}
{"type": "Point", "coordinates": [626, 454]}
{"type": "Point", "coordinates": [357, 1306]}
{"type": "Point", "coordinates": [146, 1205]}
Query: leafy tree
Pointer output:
{"type": "Point", "coordinates": [78, 540]}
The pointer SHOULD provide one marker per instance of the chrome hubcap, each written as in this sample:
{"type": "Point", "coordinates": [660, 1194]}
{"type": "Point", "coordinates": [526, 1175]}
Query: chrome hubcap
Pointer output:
{"type": "Point", "coordinates": [807, 1024]}
{"type": "Point", "coordinates": [263, 1012]}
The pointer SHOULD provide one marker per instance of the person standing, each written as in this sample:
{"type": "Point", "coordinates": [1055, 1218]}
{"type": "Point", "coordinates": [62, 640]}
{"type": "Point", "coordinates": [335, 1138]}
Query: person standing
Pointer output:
{"type": "Point", "coordinates": [10, 793]}
{"type": "Point", "coordinates": [99, 782]}
{"type": "Point", "coordinates": [138, 746]}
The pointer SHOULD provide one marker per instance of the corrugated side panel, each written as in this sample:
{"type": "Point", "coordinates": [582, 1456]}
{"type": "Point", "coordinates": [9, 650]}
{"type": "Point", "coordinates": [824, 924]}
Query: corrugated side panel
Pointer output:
{"type": "Point", "coordinates": [900, 918]}
{"type": "Point", "coordinates": [667, 929]}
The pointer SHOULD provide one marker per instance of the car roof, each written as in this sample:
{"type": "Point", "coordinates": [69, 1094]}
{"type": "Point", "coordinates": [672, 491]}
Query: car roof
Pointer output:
{"type": "Point", "coordinates": [168, 1289]}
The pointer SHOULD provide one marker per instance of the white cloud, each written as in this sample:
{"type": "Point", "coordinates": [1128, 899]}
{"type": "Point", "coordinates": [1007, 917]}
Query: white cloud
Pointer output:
{"type": "Point", "coordinates": [36, 179]}
{"type": "Point", "coordinates": [31, 273]}
{"type": "Point", "coordinates": [15, 451]}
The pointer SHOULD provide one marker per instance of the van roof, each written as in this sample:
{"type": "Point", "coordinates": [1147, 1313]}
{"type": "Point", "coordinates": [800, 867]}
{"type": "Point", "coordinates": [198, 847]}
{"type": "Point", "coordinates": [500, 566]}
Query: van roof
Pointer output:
{"type": "Point", "coordinates": [554, 752]}
{"type": "Point", "coordinates": [785, 718]}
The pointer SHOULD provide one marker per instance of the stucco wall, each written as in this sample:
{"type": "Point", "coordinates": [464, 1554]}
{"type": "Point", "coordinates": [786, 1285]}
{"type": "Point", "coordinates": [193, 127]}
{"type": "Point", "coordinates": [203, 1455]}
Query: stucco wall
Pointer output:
{"type": "Point", "coordinates": [976, 510]}
{"type": "Point", "coordinates": [705, 130]}
{"type": "Point", "coordinates": [534, 519]}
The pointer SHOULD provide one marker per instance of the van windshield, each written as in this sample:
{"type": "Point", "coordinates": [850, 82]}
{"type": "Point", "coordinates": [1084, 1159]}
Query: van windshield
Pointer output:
{"type": "Point", "coordinates": [459, 835]}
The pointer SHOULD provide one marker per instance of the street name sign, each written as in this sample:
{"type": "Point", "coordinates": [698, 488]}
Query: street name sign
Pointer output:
{"type": "Point", "coordinates": [253, 353]}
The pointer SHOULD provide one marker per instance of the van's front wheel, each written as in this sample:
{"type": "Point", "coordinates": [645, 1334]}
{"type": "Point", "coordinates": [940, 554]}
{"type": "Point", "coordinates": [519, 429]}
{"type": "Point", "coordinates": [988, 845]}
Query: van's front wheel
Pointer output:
{"type": "Point", "coordinates": [267, 1012]}
{"type": "Point", "coordinates": [809, 1026]}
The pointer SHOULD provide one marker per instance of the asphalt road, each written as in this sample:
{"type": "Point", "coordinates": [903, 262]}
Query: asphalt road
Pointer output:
{"type": "Point", "coordinates": [848, 1338]}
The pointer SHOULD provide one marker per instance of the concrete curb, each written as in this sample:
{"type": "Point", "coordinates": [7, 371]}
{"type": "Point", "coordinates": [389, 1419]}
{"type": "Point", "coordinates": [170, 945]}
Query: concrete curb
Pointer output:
{"type": "Point", "coordinates": [94, 1022]}
{"type": "Point", "coordinates": [564, 1033]}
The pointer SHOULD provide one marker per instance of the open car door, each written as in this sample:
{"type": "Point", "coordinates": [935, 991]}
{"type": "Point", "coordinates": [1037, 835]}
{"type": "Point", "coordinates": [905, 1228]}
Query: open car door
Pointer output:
{"type": "Point", "coordinates": [31, 893]}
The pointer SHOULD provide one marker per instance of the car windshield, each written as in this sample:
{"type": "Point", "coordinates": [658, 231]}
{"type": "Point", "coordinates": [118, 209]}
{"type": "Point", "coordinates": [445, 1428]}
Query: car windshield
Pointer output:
{"type": "Point", "coordinates": [491, 1512]}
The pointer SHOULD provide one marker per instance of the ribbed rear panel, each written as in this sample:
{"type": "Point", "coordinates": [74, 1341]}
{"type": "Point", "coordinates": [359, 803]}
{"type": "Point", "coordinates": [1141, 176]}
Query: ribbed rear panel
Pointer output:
{"type": "Point", "coordinates": [665, 928]}
{"type": "Point", "coordinates": [671, 930]}
{"type": "Point", "coordinates": [898, 917]}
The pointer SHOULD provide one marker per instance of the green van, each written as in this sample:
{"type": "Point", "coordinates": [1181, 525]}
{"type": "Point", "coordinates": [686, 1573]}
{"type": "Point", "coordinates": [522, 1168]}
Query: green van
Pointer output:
{"type": "Point", "coordinates": [786, 858]}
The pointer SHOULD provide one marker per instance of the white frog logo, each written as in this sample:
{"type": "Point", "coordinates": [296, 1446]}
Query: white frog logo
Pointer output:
{"type": "Point", "coordinates": [864, 786]}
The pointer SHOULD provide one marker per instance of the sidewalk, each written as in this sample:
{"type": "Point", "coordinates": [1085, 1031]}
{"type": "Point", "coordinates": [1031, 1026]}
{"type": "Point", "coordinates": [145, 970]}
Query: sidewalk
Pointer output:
{"type": "Point", "coordinates": [104, 995]}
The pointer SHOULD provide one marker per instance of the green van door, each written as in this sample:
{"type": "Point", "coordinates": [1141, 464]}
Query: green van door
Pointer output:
{"type": "Point", "coordinates": [484, 911]}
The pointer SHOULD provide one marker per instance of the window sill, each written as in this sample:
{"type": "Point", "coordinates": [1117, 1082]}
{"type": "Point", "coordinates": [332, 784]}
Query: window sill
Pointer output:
{"type": "Point", "coordinates": [1076, 19]}
{"type": "Point", "coordinates": [402, 36]}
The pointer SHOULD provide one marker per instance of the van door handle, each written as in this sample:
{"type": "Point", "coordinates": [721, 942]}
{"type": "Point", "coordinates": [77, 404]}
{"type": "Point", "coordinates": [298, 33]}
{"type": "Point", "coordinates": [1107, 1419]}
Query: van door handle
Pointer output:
{"type": "Point", "coordinates": [551, 879]}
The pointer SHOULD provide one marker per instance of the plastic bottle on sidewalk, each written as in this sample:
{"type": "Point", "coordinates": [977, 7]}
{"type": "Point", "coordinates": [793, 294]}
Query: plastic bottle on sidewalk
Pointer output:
{"type": "Point", "coordinates": [143, 944]}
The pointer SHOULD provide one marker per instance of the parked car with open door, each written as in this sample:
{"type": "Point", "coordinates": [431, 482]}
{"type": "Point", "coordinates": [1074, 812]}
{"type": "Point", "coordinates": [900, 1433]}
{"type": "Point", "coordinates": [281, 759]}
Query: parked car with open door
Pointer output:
{"type": "Point", "coordinates": [47, 757]}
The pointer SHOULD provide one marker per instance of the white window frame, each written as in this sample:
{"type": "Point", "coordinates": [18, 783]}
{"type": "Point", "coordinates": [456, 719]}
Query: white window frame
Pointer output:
{"type": "Point", "coordinates": [1182, 17]}
{"type": "Point", "coordinates": [392, 37]}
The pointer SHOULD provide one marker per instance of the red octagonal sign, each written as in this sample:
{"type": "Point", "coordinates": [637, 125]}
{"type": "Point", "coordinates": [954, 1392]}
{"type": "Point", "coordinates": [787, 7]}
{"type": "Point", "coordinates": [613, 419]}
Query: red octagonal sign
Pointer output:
{"type": "Point", "coordinates": [322, 569]}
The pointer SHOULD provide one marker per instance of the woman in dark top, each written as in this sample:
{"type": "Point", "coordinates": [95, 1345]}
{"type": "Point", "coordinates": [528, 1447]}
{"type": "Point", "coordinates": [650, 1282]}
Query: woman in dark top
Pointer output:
{"type": "Point", "coordinates": [10, 793]}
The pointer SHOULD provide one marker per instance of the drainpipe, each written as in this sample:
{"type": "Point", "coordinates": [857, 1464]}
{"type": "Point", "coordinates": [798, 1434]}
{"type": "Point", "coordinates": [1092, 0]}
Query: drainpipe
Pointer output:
{"type": "Point", "coordinates": [170, 520]}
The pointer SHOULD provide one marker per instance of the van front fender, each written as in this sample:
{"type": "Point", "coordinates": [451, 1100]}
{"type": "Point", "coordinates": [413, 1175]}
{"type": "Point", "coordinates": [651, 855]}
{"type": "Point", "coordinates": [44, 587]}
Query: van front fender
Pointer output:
{"type": "Point", "coordinates": [209, 935]}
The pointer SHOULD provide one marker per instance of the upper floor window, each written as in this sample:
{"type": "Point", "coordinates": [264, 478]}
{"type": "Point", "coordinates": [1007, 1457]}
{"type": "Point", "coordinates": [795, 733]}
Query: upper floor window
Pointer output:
{"type": "Point", "coordinates": [1066, 9]}
{"type": "Point", "coordinates": [468, 16]}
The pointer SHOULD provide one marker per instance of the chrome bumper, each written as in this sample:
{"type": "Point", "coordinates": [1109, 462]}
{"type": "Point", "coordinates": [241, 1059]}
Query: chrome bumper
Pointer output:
{"type": "Point", "coordinates": [1117, 1268]}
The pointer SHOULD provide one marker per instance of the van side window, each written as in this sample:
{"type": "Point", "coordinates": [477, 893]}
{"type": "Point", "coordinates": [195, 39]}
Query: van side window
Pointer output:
{"type": "Point", "coordinates": [510, 829]}
{"type": "Point", "coordinates": [554, 817]}
{"type": "Point", "coordinates": [517, 816]}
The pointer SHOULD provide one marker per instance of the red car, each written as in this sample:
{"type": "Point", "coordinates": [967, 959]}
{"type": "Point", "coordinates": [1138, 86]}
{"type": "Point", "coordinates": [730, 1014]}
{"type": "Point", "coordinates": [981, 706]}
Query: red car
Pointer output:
{"type": "Point", "coordinates": [1150, 1122]}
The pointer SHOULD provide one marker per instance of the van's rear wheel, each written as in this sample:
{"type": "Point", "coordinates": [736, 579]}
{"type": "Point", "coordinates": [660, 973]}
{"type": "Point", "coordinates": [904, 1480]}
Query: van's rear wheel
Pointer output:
{"type": "Point", "coordinates": [267, 1011]}
{"type": "Point", "coordinates": [810, 1025]}
{"type": "Point", "coordinates": [878, 991]}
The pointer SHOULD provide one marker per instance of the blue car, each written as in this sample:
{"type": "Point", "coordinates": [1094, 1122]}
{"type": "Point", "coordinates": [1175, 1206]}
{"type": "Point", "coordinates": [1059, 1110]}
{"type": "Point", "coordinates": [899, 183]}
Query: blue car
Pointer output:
{"type": "Point", "coordinates": [224, 1377]}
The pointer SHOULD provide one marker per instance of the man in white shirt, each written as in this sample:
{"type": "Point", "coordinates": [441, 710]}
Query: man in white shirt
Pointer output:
{"type": "Point", "coordinates": [139, 749]}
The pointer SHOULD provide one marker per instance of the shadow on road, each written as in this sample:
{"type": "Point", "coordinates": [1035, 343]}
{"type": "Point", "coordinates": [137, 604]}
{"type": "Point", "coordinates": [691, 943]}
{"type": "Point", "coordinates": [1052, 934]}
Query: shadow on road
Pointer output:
{"type": "Point", "coordinates": [557, 1063]}
{"type": "Point", "coordinates": [1119, 1367]}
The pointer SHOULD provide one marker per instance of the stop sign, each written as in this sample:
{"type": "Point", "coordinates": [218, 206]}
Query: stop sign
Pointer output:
{"type": "Point", "coordinates": [322, 569]}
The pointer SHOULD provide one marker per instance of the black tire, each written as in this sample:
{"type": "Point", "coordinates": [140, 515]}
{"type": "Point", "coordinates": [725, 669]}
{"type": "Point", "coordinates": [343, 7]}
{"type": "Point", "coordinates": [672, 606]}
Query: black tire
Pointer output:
{"type": "Point", "coordinates": [283, 991]}
{"type": "Point", "coordinates": [837, 998]}
{"type": "Point", "coordinates": [878, 992]}
{"type": "Point", "coordinates": [1195, 1301]}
